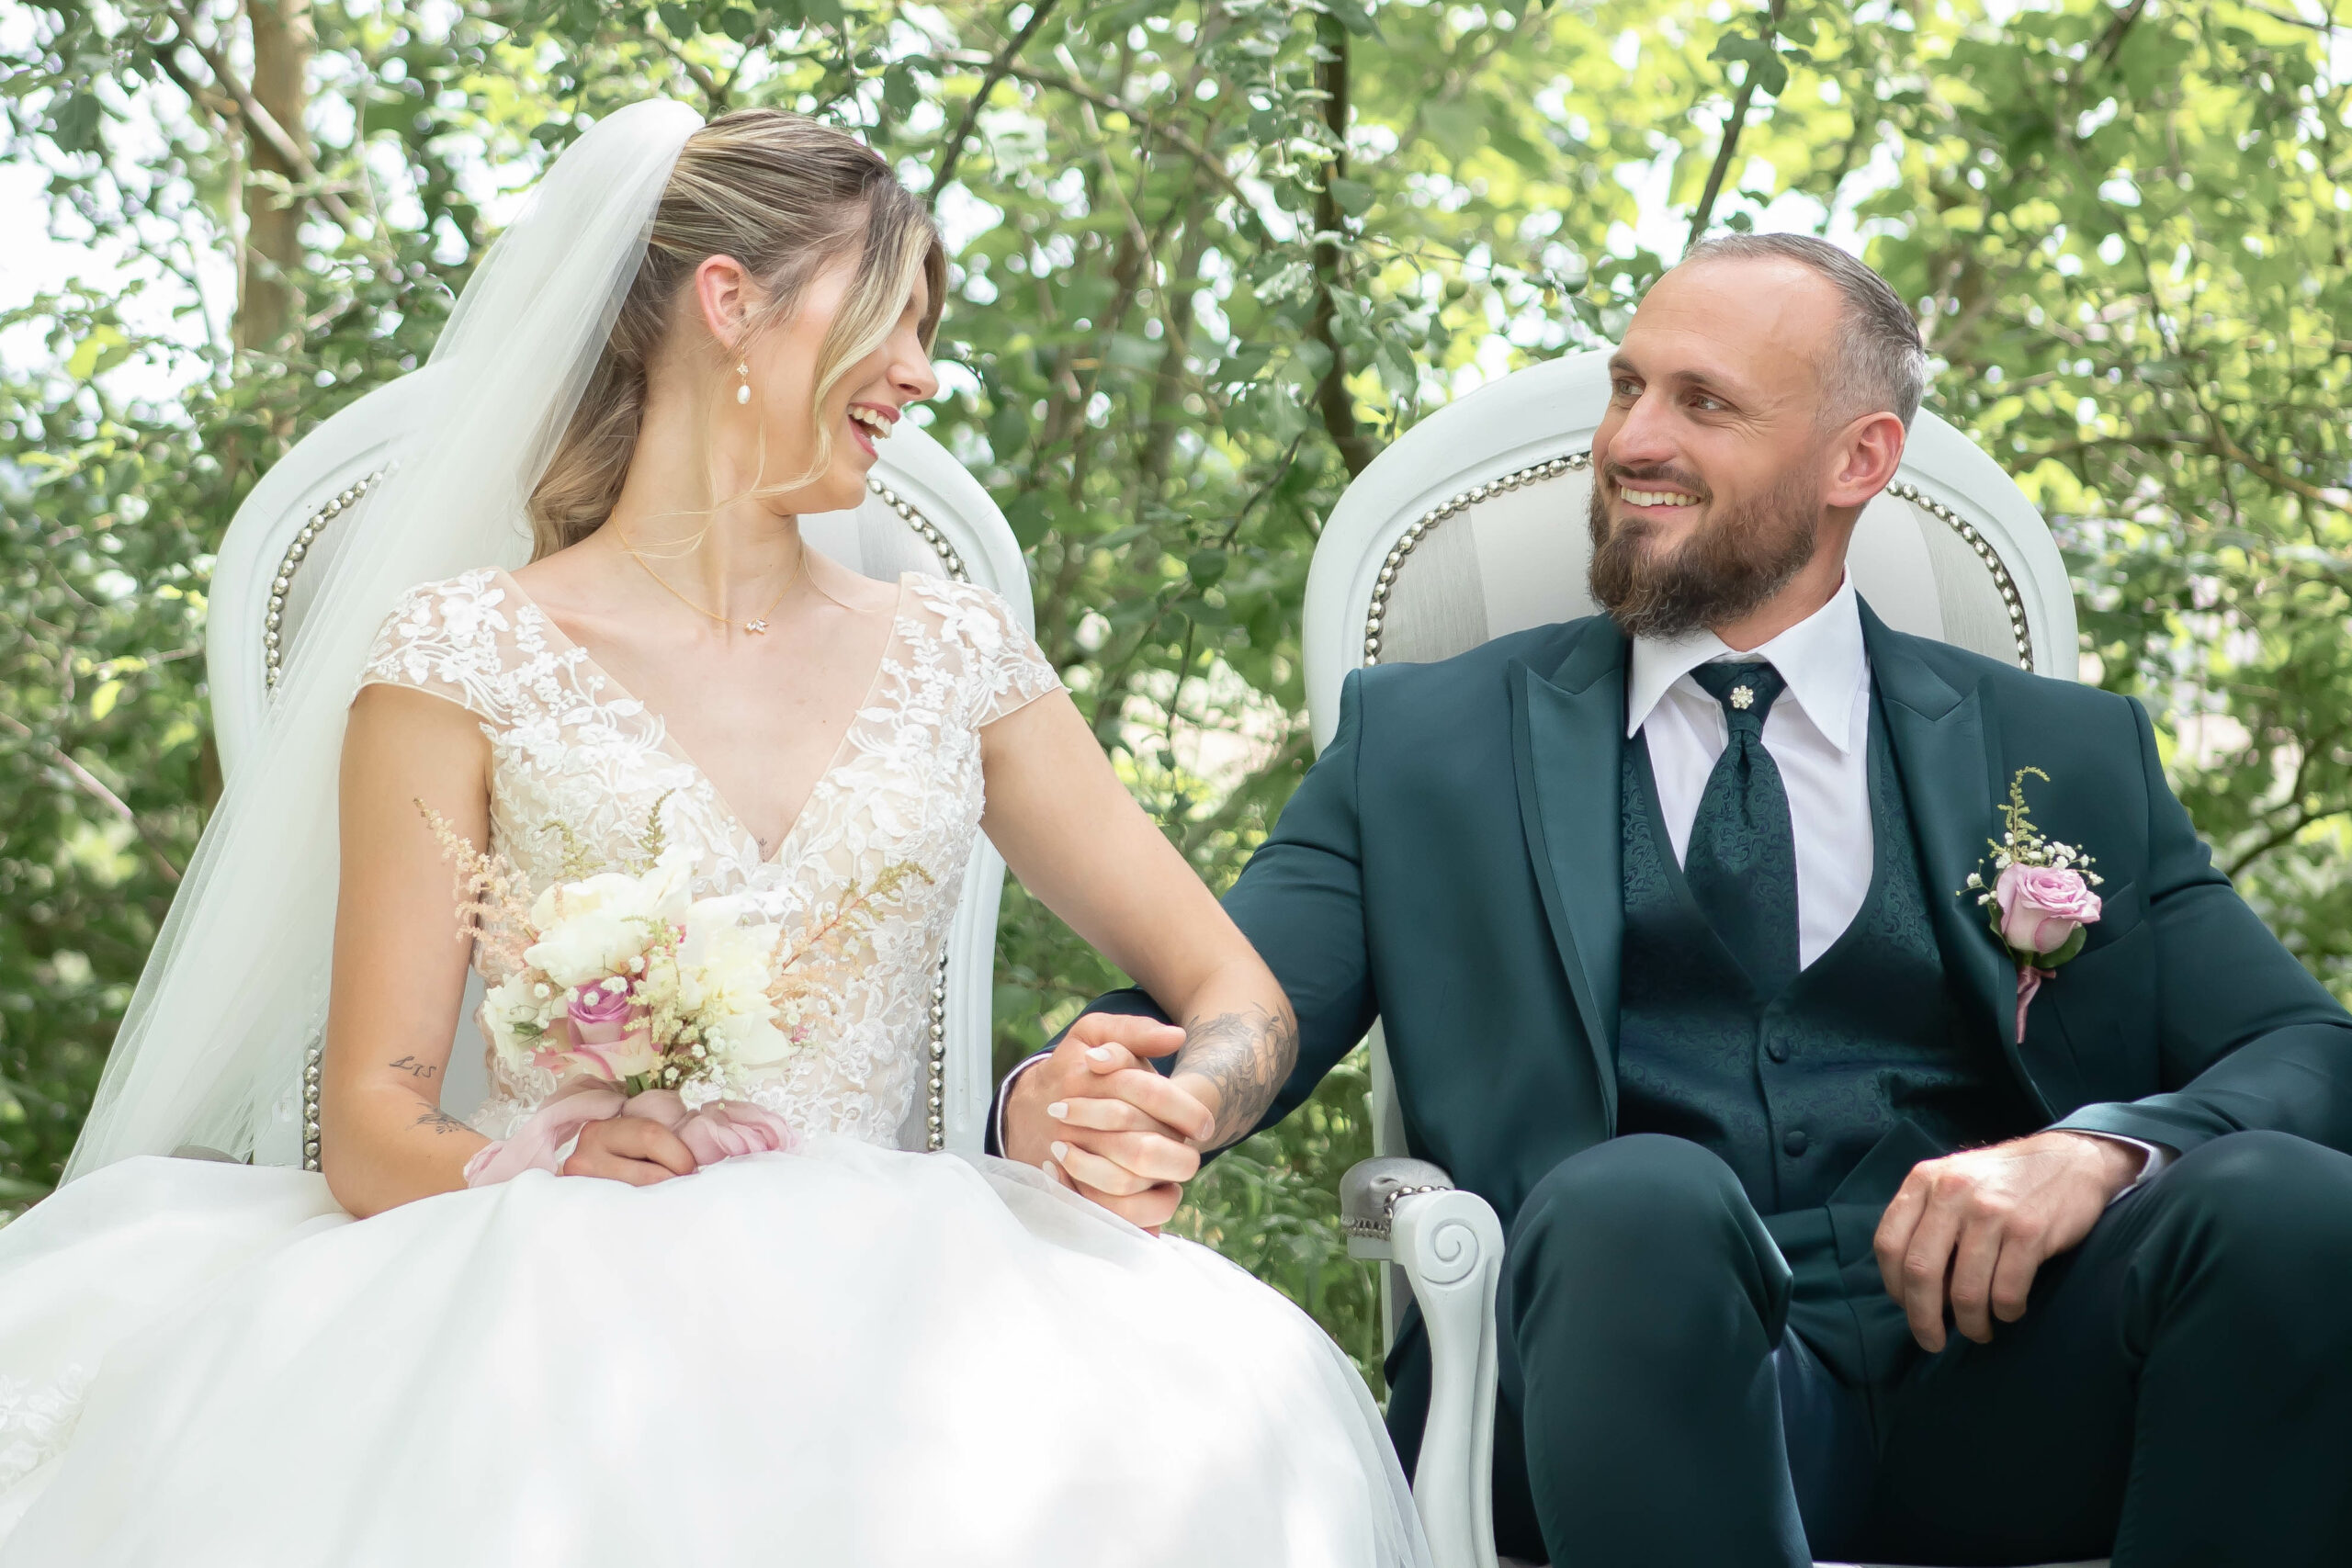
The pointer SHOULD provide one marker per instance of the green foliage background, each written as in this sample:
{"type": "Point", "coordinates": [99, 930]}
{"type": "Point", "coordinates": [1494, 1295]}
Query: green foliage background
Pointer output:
{"type": "Point", "coordinates": [1210, 258]}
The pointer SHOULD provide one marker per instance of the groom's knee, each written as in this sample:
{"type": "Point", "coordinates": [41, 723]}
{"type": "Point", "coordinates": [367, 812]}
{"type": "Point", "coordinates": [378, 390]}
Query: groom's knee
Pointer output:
{"type": "Point", "coordinates": [1643, 1236]}
{"type": "Point", "coordinates": [2264, 1222]}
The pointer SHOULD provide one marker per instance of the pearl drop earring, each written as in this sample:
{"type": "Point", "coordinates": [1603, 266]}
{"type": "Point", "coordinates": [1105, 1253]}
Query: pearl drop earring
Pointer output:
{"type": "Point", "coordinates": [743, 392]}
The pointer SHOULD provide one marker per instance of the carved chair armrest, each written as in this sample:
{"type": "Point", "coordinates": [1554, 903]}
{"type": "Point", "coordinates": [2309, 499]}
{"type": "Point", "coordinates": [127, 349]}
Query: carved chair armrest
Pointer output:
{"type": "Point", "coordinates": [1449, 1246]}
{"type": "Point", "coordinates": [1368, 1197]}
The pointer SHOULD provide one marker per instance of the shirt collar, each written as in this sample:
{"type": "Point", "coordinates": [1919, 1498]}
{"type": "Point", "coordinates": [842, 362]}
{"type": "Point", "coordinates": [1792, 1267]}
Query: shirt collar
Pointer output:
{"type": "Point", "coordinates": [1821, 658]}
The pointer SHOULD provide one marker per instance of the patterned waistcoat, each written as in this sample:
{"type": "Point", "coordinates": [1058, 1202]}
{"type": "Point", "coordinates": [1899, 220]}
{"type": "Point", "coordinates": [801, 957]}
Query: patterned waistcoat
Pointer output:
{"type": "Point", "coordinates": [1866, 1046]}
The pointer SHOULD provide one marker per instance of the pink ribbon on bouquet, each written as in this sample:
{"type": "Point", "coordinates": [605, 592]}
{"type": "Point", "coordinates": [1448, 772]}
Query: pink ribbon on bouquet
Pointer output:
{"type": "Point", "coordinates": [720, 1129]}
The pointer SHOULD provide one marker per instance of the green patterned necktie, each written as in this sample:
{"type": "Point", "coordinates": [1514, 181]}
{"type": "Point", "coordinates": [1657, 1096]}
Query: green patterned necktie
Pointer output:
{"type": "Point", "coordinates": [1742, 862]}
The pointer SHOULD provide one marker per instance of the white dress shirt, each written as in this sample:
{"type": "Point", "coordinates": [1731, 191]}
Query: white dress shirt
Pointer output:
{"type": "Point", "coordinates": [1818, 736]}
{"type": "Point", "coordinates": [1818, 733]}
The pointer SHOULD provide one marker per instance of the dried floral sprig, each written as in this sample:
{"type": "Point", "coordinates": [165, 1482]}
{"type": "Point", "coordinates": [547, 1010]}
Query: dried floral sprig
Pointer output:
{"type": "Point", "coordinates": [493, 895]}
{"type": "Point", "coordinates": [2021, 843]}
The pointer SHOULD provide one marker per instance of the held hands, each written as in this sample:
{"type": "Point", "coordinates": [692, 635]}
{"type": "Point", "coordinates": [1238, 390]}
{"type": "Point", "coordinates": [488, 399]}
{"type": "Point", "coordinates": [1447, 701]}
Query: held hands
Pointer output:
{"type": "Point", "coordinates": [1972, 1228]}
{"type": "Point", "coordinates": [1096, 1113]}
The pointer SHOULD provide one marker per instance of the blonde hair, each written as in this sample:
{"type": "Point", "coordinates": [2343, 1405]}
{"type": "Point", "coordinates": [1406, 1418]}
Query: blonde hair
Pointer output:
{"type": "Point", "coordinates": [785, 197]}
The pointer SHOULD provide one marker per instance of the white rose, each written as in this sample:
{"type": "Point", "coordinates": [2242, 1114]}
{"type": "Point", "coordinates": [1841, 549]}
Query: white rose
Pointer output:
{"type": "Point", "coordinates": [511, 1002]}
{"type": "Point", "coordinates": [590, 929]}
{"type": "Point", "coordinates": [584, 947]}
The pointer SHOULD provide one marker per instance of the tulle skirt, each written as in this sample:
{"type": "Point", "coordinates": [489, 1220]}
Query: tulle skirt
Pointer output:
{"type": "Point", "coordinates": [844, 1355]}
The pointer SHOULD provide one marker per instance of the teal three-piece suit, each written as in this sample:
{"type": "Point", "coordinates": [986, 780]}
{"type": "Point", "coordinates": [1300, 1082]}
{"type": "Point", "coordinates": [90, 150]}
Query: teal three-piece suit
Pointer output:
{"type": "Point", "coordinates": [1700, 1363]}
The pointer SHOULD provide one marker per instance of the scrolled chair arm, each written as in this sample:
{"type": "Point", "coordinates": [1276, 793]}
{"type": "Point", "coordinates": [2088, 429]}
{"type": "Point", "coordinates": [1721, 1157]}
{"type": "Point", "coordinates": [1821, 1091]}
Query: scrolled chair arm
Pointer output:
{"type": "Point", "coordinates": [1449, 1246]}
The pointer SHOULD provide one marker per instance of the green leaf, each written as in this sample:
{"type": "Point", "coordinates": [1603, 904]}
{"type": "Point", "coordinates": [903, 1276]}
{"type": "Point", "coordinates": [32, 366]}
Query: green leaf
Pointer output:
{"type": "Point", "coordinates": [678, 19]}
{"type": "Point", "coordinates": [75, 124]}
{"type": "Point", "coordinates": [102, 701]}
{"type": "Point", "coordinates": [1351, 197]}
{"type": "Point", "coordinates": [1314, 361]}
{"type": "Point", "coordinates": [1031, 518]}
{"type": "Point", "coordinates": [1205, 567]}
{"type": "Point", "coordinates": [103, 349]}
{"type": "Point", "coordinates": [738, 25]}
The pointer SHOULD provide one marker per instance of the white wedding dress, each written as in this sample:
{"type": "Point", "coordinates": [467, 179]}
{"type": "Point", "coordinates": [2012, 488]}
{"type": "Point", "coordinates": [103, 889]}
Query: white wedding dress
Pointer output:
{"type": "Point", "coordinates": [849, 1354]}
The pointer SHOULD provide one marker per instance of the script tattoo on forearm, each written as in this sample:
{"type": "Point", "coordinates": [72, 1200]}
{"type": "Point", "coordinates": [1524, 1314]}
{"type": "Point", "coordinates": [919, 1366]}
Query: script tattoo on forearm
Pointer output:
{"type": "Point", "coordinates": [1247, 1056]}
{"type": "Point", "coordinates": [420, 1071]}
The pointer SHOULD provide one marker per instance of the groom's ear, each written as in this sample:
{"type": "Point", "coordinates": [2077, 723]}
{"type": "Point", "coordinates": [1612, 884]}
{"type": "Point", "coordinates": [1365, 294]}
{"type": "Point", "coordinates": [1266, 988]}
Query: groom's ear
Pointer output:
{"type": "Point", "coordinates": [1864, 459]}
{"type": "Point", "coordinates": [723, 292]}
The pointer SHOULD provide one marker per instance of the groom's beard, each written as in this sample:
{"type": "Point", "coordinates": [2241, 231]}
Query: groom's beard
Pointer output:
{"type": "Point", "coordinates": [1740, 557]}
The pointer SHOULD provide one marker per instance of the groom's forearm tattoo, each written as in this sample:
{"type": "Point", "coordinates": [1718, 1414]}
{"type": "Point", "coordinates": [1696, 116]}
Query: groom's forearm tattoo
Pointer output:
{"type": "Point", "coordinates": [441, 1122]}
{"type": "Point", "coordinates": [1247, 1056]}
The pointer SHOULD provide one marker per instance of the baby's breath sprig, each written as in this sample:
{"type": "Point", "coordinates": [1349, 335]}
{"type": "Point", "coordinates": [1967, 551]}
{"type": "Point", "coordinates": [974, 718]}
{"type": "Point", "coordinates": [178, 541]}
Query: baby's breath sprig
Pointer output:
{"type": "Point", "coordinates": [2021, 843]}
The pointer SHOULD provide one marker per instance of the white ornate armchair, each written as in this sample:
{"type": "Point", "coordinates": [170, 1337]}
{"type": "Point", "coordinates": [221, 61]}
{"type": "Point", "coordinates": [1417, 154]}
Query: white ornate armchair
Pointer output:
{"type": "Point", "coordinates": [1473, 525]}
{"type": "Point", "coordinates": [923, 512]}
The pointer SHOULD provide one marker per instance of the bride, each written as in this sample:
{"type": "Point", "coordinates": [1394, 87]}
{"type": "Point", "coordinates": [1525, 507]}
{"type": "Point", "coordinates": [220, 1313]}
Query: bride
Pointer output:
{"type": "Point", "coordinates": [844, 1353]}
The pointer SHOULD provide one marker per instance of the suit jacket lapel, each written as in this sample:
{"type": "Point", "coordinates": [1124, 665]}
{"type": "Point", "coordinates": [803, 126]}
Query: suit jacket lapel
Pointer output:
{"type": "Point", "coordinates": [1568, 737]}
{"type": "Point", "coordinates": [1954, 779]}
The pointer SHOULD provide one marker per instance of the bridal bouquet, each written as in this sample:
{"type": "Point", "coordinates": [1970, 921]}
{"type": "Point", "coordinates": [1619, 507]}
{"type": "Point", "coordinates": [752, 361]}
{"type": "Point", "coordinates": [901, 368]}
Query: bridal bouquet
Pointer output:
{"type": "Point", "coordinates": [642, 1000]}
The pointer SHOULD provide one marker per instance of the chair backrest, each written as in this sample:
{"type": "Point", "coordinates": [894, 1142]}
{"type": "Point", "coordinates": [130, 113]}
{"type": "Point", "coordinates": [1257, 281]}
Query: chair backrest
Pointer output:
{"type": "Point", "coordinates": [923, 512]}
{"type": "Point", "coordinates": [1473, 524]}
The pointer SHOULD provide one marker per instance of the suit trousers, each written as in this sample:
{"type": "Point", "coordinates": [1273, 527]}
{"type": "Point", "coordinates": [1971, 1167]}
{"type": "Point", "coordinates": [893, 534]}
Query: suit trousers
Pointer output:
{"type": "Point", "coordinates": [2179, 1392]}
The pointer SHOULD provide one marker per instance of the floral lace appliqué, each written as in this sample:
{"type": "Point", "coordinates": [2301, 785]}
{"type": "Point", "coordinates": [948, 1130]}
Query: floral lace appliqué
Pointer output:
{"type": "Point", "coordinates": [37, 1420]}
{"type": "Point", "coordinates": [568, 744]}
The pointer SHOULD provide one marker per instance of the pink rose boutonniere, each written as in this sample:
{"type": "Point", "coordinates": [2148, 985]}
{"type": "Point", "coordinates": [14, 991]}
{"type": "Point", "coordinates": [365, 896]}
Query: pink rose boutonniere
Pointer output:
{"type": "Point", "coordinates": [2039, 901]}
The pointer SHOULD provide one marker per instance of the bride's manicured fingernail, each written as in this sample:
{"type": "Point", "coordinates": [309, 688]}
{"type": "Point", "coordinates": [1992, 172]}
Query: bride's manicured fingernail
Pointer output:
{"type": "Point", "coordinates": [1061, 1154]}
{"type": "Point", "coordinates": [1098, 1053]}
{"type": "Point", "coordinates": [1058, 1110]}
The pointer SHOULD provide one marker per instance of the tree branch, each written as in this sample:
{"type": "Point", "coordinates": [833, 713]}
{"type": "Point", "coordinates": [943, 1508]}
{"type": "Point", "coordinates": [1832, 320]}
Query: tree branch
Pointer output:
{"type": "Point", "coordinates": [92, 785]}
{"type": "Point", "coordinates": [1331, 394]}
{"type": "Point", "coordinates": [998, 68]}
{"type": "Point", "coordinates": [259, 119]}
{"type": "Point", "coordinates": [1732, 128]}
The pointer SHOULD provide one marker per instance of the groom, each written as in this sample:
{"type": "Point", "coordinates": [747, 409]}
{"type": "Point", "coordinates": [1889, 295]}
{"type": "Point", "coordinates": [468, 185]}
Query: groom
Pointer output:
{"type": "Point", "coordinates": [1663, 910]}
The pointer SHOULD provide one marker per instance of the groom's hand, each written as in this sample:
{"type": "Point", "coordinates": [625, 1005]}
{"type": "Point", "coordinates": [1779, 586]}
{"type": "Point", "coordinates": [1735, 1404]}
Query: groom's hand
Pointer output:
{"type": "Point", "coordinates": [1970, 1229]}
{"type": "Point", "coordinates": [1097, 1115]}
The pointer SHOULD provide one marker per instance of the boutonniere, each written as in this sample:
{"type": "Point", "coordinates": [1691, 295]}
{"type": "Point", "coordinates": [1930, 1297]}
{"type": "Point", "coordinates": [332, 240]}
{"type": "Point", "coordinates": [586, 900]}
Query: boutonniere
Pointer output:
{"type": "Point", "coordinates": [2039, 901]}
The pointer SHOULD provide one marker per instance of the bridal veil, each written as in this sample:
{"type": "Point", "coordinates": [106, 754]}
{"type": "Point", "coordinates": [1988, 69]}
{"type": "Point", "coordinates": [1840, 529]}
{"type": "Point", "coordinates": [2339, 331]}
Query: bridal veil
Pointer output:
{"type": "Point", "coordinates": [235, 991]}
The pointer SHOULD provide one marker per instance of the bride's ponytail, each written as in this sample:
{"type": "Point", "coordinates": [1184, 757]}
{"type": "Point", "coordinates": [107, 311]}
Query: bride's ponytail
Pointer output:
{"type": "Point", "coordinates": [783, 195]}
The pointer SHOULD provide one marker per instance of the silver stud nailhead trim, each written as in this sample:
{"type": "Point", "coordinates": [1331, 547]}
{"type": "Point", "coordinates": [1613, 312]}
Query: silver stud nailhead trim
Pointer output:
{"type": "Point", "coordinates": [1378, 613]}
{"type": "Point", "coordinates": [935, 1077]}
{"type": "Point", "coordinates": [2011, 598]}
{"type": "Point", "coordinates": [281, 585]}
{"type": "Point", "coordinates": [935, 1084]}
{"type": "Point", "coordinates": [1376, 616]}
{"type": "Point", "coordinates": [1378, 1228]}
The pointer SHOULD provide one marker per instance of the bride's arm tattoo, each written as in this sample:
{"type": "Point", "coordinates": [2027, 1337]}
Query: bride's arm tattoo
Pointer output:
{"type": "Point", "coordinates": [441, 1120]}
{"type": "Point", "coordinates": [1247, 1056]}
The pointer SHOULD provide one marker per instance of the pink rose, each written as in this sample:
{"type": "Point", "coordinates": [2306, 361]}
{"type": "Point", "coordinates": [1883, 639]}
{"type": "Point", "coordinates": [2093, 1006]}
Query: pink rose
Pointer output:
{"type": "Point", "coordinates": [606, 1029]}
{"type": "Point", "coordinates": [2041, 908]}
{"type": "Point", "coordinates": [600, 1014]}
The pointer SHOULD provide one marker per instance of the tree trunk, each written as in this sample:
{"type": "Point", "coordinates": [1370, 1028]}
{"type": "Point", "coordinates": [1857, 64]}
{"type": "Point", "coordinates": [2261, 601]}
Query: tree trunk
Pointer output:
{"type": "Point", "coordinates": [1332, 398]}
{"type": "Point", "coordinates": [268, 303]}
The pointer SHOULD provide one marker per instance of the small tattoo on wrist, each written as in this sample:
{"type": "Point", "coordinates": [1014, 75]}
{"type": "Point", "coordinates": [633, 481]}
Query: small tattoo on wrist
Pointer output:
{"type": "Point", "coordinates": [420, 1071]}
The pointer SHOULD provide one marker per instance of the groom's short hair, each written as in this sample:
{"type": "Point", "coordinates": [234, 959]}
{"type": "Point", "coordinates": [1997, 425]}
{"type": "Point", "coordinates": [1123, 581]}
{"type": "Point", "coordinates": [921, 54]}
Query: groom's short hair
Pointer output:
{"type": "Point", "coordinates": [1880, 363]}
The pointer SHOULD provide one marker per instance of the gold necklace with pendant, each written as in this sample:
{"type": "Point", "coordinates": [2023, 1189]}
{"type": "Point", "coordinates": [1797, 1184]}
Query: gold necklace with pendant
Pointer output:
{"type": "Point", "coordinates": [758, 624]}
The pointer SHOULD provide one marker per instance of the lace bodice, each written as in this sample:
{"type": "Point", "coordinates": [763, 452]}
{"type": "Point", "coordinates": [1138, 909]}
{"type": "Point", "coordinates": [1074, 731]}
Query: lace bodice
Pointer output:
{"type": "Point", "coordinates": [902, 794]}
